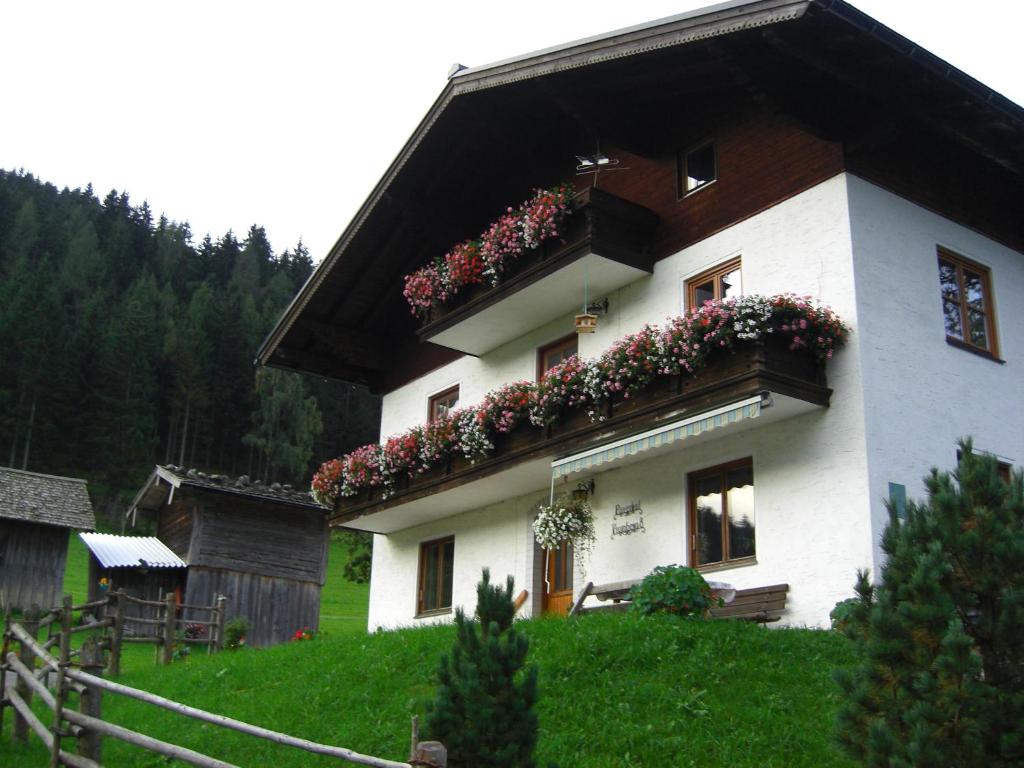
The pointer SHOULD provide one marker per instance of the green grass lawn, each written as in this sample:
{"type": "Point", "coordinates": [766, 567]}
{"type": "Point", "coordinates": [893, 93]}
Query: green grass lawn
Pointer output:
{"type": "Point", "coordinates": [615, 691]}
{"type": "Point", "coordinates": [343, 605]}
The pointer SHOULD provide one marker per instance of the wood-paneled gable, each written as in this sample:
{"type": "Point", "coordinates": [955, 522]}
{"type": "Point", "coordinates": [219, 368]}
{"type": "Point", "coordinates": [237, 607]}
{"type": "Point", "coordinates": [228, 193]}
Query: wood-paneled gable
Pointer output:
{"type": "Point", "coordinates": [274, 541]}
{"type": "Point", "coordinates": [174, 527]}
{"type": "Point", "coordinates": [761, 160]}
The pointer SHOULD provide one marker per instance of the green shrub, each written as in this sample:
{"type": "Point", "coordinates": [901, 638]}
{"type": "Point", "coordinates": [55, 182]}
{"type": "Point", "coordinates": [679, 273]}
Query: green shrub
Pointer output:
{"type": "Point", "coordinates": [673, 589]}
{"type": "Point", "coordinates": [843, 613]}
{"type": "Point", "coordinates": [234, 632]}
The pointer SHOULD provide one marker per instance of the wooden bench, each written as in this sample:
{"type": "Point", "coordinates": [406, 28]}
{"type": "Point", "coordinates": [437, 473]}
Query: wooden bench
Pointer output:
{"type": "Point", "coordinates": [760, 604]}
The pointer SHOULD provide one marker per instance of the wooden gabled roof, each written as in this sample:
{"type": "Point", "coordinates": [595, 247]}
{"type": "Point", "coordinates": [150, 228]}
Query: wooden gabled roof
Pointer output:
{"type": "Point", "coordinates": [45, 499]}
{"type": "Point", "coordinates": [497, 131]}
{"type": "Point", "coordinates": [157, 489]}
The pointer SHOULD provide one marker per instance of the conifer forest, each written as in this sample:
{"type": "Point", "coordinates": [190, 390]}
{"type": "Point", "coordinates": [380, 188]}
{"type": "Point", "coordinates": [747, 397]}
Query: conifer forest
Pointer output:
{"type": "Point", "coordinates": [125, 344]}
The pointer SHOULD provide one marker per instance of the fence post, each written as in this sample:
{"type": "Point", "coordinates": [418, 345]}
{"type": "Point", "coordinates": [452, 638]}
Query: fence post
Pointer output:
{"type": "Point", "coordinates": [219, 614]}
{"type": "Point", "coordinates": [61, 689]}
{"type": "Point", "coordinates": [430, 753]}
{"type": "Point", "coordinates": [30, 621]}
{"type": "Point", "coordinates": [116, 635]}
{"type": "Point", "coordinates": [90, 702]}
{"type": "Point", "coordinates": [3, 660]}
{"type": "Point", "coordinates": [170, 609]}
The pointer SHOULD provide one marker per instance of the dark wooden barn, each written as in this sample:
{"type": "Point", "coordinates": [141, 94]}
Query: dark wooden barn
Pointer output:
{"type": "Point", "coordinates": [262, 546]}
{"type": "Point", "coordinates": [37, 513]}
{"type": "Point", "coordinates": [139, 566]}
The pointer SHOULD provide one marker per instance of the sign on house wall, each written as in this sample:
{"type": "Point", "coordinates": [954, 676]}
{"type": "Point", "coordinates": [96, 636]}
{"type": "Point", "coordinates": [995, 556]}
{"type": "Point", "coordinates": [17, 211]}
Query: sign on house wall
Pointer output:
{"type": "Point", "coordinates": [628, 519]}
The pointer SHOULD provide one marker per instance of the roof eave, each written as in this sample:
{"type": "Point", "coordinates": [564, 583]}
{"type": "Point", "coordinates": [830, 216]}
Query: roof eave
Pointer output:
{"type": "Point", "coordinates": [675, 30]}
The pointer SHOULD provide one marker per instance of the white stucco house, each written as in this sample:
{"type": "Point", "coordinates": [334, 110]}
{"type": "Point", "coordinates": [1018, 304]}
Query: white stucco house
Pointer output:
{"type": "Point", "coordinates": [752, 148]}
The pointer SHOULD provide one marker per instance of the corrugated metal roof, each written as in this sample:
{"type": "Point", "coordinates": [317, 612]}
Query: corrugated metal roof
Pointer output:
{"type": "Point", "coordinates": [45, 499]}
{"type": "Point", "coordinates": [130, 551]}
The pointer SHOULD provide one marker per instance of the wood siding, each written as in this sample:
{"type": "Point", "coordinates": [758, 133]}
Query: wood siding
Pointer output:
{"type": "Point", "coordinates": [760, 161]}
{"type": "Point", "coordinates": [274, 607]}
{"type": "Point", "coordinates": [264, 539]}
{"type": "Point", "coordinates": [151, 584]}
{"type": "Point", "coordinates": [32, 560]}
{"type": "Point", "coordinates": [174, 528]}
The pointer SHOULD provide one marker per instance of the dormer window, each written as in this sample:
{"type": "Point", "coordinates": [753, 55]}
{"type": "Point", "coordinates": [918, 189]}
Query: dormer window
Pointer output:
{"type": "Point", "coordinates": [696, 168]}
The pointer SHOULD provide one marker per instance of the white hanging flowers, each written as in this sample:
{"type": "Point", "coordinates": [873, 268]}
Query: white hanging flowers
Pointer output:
{"type": "Point", "coordinates": [567, 519]}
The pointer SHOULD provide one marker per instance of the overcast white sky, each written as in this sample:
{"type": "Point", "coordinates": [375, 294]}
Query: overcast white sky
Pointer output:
{"type": "Point", "coordinates": [226, 114]}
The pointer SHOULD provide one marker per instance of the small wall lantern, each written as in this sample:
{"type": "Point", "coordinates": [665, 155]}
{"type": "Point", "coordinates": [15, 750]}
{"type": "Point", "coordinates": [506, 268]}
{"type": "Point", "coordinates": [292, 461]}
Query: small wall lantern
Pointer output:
{"type": "Point", "coordinates": [582, 491]}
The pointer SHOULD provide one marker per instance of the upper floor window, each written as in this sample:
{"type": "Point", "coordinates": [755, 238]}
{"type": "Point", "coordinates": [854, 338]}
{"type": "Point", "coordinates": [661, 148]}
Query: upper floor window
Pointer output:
{"type": "Point", "coordinates": [552, 354]}
{"type": "Point", "coordinates": [696, 168]}
{"type": "Point", "coordinates": [967, 303]}
{"type": "Point", "coordinates": [443, 403]}
{"type": "Point", "coordinates": [722, 282]}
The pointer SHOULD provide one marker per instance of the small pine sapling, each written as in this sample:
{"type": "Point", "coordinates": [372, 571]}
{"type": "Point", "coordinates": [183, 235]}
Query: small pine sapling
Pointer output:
{"type": "Point", "coordinates": [483, 711]}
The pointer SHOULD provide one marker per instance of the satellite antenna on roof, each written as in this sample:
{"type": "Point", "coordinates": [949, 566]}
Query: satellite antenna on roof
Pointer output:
{"type": "Point", "coordinates": [596, 164]}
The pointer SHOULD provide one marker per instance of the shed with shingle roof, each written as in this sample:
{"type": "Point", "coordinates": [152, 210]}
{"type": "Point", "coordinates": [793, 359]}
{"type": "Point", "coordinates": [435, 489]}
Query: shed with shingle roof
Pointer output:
{"type": "Point", "coordinates": [36, 514]}
{"type": "Point", "coordinates": [263, 546]}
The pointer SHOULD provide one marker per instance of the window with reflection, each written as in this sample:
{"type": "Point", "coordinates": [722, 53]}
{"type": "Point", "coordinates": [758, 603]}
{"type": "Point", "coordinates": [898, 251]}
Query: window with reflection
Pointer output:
{"type": "Point", "coordinates": [966, 302]}
{"type": "Point", "coordinates": [437, 564]}
{"type": "Point", "coordinates": [722, 522]}
{"type": "Point", "coordinates": [443, 403]}
{"type": "Point", "coordinates": [721, 282]}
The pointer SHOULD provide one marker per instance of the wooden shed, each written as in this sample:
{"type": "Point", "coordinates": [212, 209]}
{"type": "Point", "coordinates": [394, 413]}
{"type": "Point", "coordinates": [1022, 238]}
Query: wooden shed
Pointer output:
{"type": "Point", "coordinates": [140, 566]}
{"type": "Point", "coordinates": [262, 546]}
{"type": "Point", "coordinates": [37, 513]}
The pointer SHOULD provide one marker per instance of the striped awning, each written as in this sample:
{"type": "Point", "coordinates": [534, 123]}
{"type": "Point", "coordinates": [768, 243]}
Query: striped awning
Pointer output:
{"type": "Point", "coordinates": [675, 432]}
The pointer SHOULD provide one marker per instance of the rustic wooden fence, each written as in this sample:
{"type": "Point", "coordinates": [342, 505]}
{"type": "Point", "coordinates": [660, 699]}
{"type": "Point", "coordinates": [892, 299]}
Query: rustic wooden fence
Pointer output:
{"type": "Point", "coordinates": [78, 687]}
{"type": "Point", "coordinates": [166, 629]}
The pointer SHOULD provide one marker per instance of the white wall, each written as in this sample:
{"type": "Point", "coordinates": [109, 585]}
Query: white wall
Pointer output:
{"type": "Point", "coordinates": [811, 473]}
{"type": "Point", "coordinates": [921, 393]}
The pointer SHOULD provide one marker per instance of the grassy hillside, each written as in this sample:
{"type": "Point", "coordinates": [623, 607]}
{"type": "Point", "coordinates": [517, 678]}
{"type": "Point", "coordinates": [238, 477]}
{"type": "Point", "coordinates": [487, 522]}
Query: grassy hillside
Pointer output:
{"type": "Point", "coordinates": [615, 692]}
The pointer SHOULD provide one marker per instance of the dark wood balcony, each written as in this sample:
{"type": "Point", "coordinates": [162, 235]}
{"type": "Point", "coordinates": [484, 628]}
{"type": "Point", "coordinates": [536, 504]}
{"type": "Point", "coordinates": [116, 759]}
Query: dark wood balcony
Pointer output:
{"type": "Point", "coordinates": [521, 460]}
{"type": "Point", "coordinates": [606, 243]}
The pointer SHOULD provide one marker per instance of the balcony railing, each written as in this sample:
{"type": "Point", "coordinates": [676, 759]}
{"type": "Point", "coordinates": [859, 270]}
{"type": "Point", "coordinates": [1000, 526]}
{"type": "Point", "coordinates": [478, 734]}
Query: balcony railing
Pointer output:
{"type": "Point", "coordinates": [521, 459]}
{"type": "Point", "coordinates": [605, 245]}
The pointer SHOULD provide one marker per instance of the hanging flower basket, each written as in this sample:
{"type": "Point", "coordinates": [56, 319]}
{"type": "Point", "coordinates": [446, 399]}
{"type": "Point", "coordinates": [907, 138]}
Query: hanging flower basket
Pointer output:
{"type": "Point", "coordinates": [567, 519]}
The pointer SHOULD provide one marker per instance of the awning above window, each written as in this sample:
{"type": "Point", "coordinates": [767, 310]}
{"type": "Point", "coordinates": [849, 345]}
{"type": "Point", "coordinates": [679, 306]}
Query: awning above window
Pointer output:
{"type": "Point", "coordinates": [661, 436]}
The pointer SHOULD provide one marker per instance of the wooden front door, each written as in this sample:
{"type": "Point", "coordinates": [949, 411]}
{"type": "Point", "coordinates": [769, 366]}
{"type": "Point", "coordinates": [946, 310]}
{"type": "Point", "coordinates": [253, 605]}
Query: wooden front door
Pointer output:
{"type": "Point", "coordinates": [558, 580]}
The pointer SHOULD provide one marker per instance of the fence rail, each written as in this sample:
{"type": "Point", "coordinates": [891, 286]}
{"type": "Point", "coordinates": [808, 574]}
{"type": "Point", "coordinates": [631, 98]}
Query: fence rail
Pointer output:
{"type": "Point", "coordinates": [84, 679]}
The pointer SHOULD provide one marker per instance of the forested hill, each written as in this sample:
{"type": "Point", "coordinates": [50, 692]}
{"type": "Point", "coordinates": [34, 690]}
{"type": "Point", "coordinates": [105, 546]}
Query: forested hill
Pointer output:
{"type": "Point", "coordinates": [124, 344]}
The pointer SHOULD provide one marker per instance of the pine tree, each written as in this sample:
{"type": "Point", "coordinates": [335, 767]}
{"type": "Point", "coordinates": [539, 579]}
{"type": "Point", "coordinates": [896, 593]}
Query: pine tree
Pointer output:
{"type": "Point", "coordinates": [483, 711]}
{"type": "Point", "coordinates": [940, 680]}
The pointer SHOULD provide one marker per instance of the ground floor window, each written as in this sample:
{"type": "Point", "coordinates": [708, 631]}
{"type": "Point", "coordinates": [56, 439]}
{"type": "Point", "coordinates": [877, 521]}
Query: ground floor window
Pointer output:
{"type": "Point", "coordinates": [722, 522]}
{"type": "Point", "coordinates": [437, 560]}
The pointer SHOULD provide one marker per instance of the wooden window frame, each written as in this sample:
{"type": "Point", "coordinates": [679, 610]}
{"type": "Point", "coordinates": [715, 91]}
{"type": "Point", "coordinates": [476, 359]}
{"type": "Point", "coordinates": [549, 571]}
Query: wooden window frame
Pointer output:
{"type": "Point", "coordinates": [960, 263]}
{"type": "Point", "coordinates": [1003, 468]}
{"type": "Point", "coordinates": [561, 343]}
{"type": "Point", "coordinates": [421, 570]}
{"type": "Point", "coordinates": [692, 478]}
{"type": "Point", "coordinates": [714, 274]}
{"type": "Point", "coordinates": [682, 161]}
{"type": "Point", "coordinates": [434, 400]}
